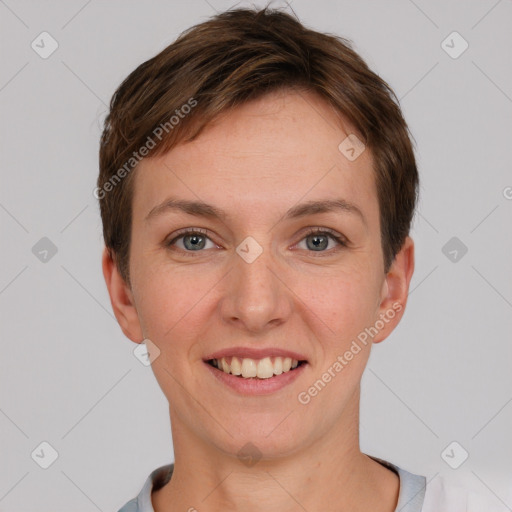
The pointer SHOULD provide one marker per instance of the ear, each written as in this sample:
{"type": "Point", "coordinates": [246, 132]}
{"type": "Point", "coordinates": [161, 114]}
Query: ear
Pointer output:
{"type": "Point", "coordinates": [121, 298]}
{"type": "Point", "coordinates": [395, 290]}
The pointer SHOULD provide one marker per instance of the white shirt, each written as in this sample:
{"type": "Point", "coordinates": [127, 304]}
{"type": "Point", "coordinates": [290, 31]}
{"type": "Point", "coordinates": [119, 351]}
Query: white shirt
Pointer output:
{"type": "Point", "coordinates": [416, 493]}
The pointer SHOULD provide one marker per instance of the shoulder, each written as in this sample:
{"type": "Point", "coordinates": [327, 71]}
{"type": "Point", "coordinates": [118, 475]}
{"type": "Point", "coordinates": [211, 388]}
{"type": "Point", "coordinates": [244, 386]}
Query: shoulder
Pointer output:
{"type": "Point", "coordinates": [142, 502]}
{"type": "Point", "coordinates": [131, 506]}
{"type": "Point", "coordinates": [441, 495]}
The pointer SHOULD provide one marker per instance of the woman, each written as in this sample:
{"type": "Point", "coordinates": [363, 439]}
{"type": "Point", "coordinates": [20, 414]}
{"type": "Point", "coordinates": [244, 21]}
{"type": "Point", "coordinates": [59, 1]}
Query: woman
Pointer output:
{"type": "Point", "coordinates": [257, 184]}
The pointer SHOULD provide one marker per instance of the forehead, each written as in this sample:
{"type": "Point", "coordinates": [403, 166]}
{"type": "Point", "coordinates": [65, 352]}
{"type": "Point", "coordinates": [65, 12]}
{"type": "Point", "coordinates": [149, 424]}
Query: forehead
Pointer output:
{"type": "Point", "coordinates": [281, 147]}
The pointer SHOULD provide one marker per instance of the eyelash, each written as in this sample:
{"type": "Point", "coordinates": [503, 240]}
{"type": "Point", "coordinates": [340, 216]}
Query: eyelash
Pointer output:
{"type": "Point", "coordinates": [341, 240]}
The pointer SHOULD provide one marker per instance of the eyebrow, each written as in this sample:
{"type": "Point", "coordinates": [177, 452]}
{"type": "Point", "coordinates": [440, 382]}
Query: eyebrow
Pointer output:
{"type": "Point", "coordinates": [201, 209]}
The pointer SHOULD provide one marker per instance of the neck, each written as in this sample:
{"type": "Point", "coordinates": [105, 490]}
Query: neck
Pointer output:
{"type": "Point", "coordinates": [329, 474]}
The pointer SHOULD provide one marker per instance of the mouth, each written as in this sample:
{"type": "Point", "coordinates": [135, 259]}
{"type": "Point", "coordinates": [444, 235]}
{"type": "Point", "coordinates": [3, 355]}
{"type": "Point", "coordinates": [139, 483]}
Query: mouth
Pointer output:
{"type": "Point", "coordinates": [248, 368]}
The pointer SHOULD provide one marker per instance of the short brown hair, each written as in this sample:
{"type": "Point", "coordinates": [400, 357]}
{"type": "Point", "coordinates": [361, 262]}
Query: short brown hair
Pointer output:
{"type": "Point", "coordinates": [234, 57]}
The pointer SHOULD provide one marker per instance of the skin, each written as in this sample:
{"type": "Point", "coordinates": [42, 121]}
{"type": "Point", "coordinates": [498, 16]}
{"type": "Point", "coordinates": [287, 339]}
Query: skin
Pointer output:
{"type": "Point", "coordinates": [255, 162]}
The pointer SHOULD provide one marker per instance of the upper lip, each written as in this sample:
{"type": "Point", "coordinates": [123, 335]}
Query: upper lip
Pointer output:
{"type": "Point", "coordinates": [254, 353]}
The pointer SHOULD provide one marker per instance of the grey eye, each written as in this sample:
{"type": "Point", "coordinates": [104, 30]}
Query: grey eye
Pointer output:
{"type": "Point", "coordinates": [192, 241]}
{"type": "Point", "coordinates": [318, 242]}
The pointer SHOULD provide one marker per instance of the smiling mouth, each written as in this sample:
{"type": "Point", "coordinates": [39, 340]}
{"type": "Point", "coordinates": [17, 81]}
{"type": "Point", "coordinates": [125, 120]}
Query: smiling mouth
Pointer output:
{"type": "Point", "coordinates": [247, 368]}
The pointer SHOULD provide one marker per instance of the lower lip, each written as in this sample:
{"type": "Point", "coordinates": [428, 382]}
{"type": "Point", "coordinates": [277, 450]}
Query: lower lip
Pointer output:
{"type": "Point", "coordinates": [253, 385]}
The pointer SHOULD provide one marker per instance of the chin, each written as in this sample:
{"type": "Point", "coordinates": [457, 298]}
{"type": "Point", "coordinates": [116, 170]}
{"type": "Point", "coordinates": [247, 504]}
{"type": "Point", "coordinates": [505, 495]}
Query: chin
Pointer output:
{"type": "Point", "coordinates": [270, 438]}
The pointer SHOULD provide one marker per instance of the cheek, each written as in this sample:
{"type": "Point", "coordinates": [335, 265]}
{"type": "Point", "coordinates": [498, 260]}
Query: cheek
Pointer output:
{"type": "Point", "coordinates": [173, 305]}
{"type": "Point", "coordinates": [343, 301]}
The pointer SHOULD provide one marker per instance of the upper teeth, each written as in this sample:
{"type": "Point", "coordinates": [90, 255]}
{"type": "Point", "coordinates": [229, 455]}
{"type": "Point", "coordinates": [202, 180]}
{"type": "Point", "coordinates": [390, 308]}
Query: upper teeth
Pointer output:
{"type": "Point", "coordinates": [263, 368]}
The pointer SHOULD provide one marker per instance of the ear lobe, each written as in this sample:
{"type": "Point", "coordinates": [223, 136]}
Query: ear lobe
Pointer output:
{"type": "Point", "coordinates": [395, 290]}
{"type": "Point", "coordinates": [121, 298]}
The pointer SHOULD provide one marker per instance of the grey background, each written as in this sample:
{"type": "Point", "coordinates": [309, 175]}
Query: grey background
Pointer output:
{"type": "Point", "coordinates": [69, 376]}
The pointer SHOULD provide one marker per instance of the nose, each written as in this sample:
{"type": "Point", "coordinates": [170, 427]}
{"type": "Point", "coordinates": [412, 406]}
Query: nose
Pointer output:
{"type": "Point", "coordinates": [256, 298]}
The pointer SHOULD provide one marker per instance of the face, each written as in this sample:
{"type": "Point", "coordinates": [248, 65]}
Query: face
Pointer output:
{"type": "Point", "coordinates": [261, 272]}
